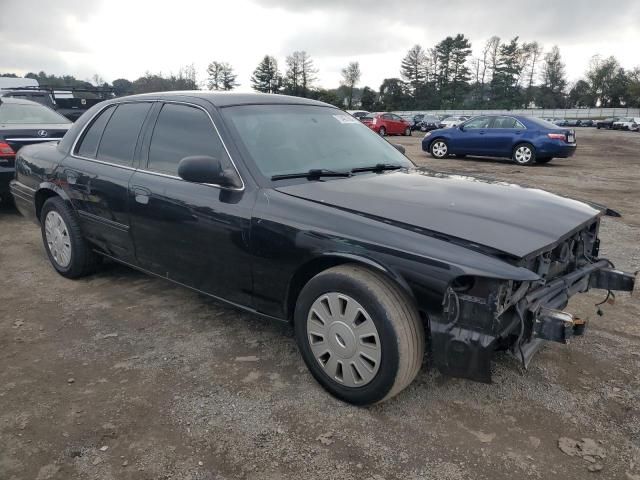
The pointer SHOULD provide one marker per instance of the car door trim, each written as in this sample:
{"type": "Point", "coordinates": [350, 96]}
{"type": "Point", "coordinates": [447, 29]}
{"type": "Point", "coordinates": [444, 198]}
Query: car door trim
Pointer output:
{"type": "Point", "coordinates": [104, 221]}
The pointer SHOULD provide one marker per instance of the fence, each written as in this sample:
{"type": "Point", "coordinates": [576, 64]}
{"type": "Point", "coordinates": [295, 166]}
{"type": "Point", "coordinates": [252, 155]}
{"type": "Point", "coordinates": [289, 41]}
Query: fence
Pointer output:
{"type": "Point", "coordinates": [538, 112]}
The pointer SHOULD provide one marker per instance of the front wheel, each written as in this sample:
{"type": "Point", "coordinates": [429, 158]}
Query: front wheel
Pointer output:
{"type": "Point", "coordinates": [524, 154]}
{"type": "Point", "coordinates": [359, 334]}
{"type": "Point", "coordinates": [439, 149]}
{"type": "Point", "coordinates": [66, 247]}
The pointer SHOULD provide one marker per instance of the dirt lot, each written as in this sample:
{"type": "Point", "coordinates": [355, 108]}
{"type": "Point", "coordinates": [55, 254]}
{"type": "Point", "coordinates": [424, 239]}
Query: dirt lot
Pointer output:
{"type": "Point", "coordinates": [121, 376]}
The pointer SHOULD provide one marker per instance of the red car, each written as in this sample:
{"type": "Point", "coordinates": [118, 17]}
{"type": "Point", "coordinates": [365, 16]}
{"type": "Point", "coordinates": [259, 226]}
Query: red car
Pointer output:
{"type": "Point", "coordinates": [387, 124]}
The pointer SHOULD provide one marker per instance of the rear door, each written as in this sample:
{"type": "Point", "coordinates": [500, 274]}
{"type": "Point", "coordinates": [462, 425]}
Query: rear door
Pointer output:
{"type": "Point", "coordinates": [504, 134]}
{"type": "Point", "coordinates": [195, 234]}
{"type": "Point", "coordinates": [398, 123]}
{"type": "Point", "coordinates": [97, 176]}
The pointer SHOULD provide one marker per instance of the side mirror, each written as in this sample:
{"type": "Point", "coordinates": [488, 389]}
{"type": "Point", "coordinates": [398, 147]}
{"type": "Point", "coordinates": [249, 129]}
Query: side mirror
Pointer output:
{"type": "Point", "coordinates": [399, 147]}
{"type": "Point", "coordinates": [204, 169]}
{"type": "Point", "coordinates": [461, 128]}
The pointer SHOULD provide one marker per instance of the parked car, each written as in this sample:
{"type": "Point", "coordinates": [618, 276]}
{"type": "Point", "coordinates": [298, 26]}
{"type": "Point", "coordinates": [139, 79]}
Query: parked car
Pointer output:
{"type": "Point", "coordinates": [606, 123]}
{"type": "Point", "coordinates": [387, 124]}
{"type": "Point", "coordinates": [291, 209]}
{"type": "Point", "coordinates": [587, 123]}
{"type": "Point", "coordinates": [452, 122]}
{"type": "Point", "coordinates": [416, 121]}
{"type": "Point", "coordinates": [68, 101]}
{"type": "Point", "coordinates": [561, 122]}
{"type": "Point", "coordinates": [627, 123]}
{"type": "Point", "coordinates": [428, 123]}
{"type": "Point", "coordinates": [573, 122]}
{"type": "Point", "coordinates": [358, 113]}
{"type": "Point", "coordinates": [524, 139]}
{"type": "Point", "coordinates": [23, 122]}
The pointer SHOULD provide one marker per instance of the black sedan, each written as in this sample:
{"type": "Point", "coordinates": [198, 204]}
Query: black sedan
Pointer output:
{"type": "Point", "coordinates": [23, 122]}
{"type": "Point", "coordinates": [296, 211]}
{"type": "Point", "coordinates": [606, 123]}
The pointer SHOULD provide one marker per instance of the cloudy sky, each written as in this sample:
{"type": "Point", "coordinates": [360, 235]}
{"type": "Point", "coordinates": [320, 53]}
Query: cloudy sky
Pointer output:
{"type": "Point", "coordinates": [118, 38]}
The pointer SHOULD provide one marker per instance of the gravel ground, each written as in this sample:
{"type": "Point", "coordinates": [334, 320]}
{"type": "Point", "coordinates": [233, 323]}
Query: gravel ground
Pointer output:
{"type": "Point", "coordinates": [122, 376]}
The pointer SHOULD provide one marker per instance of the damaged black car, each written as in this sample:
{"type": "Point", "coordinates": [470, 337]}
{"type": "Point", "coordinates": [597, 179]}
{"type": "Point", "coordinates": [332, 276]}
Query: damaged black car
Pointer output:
{"type": "Point", "coordinates": [293, 210]}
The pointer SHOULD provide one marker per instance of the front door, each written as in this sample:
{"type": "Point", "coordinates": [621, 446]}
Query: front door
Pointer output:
{"type": "Point", "coordinates": [194, 234]}
{"type": "Point", "coordinates": [96, 176]}
{"type": "Point", "coordinates": [472, 138]}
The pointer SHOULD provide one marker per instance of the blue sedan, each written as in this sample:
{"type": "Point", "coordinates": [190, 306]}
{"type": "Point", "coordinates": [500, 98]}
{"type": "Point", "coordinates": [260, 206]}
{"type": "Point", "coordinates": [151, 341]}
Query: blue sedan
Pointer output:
{"type": "Point", "coordinates": [526, 140]}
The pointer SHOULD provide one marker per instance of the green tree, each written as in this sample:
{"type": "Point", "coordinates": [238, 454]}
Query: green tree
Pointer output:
{"type": "Point", "coordinates": [221, 76]}
{"type": "Point", "coordinates": [266, 77]}
{"type": "Point", "coordinates": [633, 88]}
{"type": "Point", "coordinates": [122, 86]}
{"type": "Point", "coordinates": [300, 75]}
{"type": "Point", "coordinates": [505, 76]}
{"type": "Point", "coordinates": [350, 77]}
{"type": "Point", "coordinates": [414, 67]}
{"type": "Point", "coordinates": [554, 82]}
{"type": "Point", "coordinates": [394, 94]}
{"type": "Point", "coordinates": [453, 74]}
{"type": "Point", "coordinates": [368, 99]}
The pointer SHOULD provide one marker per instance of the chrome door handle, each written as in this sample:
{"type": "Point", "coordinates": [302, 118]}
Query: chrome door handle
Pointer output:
{"type": "Point", "coordinates": [141, 194]}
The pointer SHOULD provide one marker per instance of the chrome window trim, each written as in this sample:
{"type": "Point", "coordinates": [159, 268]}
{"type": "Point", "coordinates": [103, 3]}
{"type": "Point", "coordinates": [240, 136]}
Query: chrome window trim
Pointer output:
{"type": "Point", "coordinates": [32, 139]}
{"type": "Point", "coordinates": [73, 154]}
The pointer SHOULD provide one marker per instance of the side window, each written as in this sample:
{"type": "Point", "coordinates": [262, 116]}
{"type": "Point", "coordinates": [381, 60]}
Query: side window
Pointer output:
{"type": "Point", "coordinates": [507, 122]}
{"type": "Point", "coordinates": [477, 123]}
{"type": "Point", "coordinates": [119, 139]}
{"type": "Point", "coordinates": [183, 131]}
{"type": "Point", "coordinates": [91, 138]}
{"type": "Point", "coordinates": [387, 116]}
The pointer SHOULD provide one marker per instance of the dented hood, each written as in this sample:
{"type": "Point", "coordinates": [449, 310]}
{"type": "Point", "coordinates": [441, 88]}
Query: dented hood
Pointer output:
{"type": "Point", "coordinates": [514, 219]}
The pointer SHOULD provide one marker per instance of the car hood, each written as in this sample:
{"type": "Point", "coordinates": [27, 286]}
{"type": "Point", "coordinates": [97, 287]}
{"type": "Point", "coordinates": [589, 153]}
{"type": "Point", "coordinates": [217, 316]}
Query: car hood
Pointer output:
{"type": "Point", "coordinates": [510, 218]}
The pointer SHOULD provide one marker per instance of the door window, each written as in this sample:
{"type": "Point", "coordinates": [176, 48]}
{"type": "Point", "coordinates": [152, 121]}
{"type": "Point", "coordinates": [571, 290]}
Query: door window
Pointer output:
{"type": "Point", "coordinates": [507, 122]}
{"type": "Point", "coordinates": [120, 136]}
{"type": "Point", "coordinates": [91, 138]}
{"type": "Point", "coordinates": [477, 123]}
{"type": "Point", "coordinates": [183, 131]}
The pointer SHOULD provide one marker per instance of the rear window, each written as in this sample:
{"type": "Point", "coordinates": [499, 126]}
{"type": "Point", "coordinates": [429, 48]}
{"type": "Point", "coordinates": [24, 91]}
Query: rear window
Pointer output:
{"type": "Point", "coordinates": [120, 137]}
{"type": "Point", "coordinates": [542, 123]}
{"type": "Point", "coordinates": [20, 113]}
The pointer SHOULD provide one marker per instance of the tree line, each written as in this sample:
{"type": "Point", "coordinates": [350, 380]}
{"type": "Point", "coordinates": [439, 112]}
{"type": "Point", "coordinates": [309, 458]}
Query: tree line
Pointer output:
{"type": "Point", "coordinates": [506, 74]}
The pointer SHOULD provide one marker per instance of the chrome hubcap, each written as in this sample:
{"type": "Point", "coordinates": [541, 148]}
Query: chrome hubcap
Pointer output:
{"type": "Point", "coordinates": [523, 154]}
{"type": "Point", "coordinates": [439, 149]}
{"type": "Point", "coordinates": [344, 340]}
{"type": "Point", "coordinates": [58, 239]}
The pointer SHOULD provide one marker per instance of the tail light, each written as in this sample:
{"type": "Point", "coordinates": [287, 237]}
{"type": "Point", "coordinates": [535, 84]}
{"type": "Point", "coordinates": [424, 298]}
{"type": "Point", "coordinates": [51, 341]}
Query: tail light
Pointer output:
{"type": "Point", "coordinates": [6, 150]}
{"type": "Point", "coordinates": [557, 136]}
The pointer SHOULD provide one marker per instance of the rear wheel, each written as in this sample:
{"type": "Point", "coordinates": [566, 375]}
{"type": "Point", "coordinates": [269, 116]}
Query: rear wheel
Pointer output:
{"type": "Point", "coordinates": [524, 154]}
{"type": "Point", "coordinates": [382, 131]}
{"type": "Point", "coordinates": [439, 149]}
{"type": "Point", "coordinates": [407, 132]}
{"type": "Point", "coordinates": [66, 247]}
{"type": "Point", "coordinates": [359, 334]}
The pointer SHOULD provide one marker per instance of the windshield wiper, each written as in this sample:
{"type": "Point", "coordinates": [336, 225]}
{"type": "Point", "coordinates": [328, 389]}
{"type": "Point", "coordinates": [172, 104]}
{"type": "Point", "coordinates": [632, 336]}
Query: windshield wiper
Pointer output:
{"type": "Point", "coordinates": [378, 167]}
{"type": "Point", "coordinates": [313, 174]}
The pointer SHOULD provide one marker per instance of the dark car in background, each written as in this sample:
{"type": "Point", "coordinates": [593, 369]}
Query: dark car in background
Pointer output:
{"type": "Point", "coordinates": [386, 123]}
{"type": "Point", "coordinates": [23, 122]}
{"type": "Point", "coordinates": [606, 123]}
{"type": "Point", "coordinates": [526, 140]}
{"type": "Point", "coordinates": [294, 210]}
{"type": "Point", "coordinates": [428, 123]}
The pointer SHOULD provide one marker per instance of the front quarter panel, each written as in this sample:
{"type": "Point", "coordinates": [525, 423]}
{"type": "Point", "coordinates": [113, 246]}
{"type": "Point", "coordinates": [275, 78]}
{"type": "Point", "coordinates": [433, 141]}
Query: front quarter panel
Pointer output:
{"type": "Point", "coordinates": [289, 232]}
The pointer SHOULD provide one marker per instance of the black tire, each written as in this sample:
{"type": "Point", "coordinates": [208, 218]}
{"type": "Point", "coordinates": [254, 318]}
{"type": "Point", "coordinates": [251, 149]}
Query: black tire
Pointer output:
{"type": "Point", "coordinates": [407, 132]}
{"type": "Point", "coordinates": [436, 150]}
{"type": "Point", "coordinates": [520, 157]}
{"type": "Point", "coordinates": [399, 329]}
{"type": "Point", "coordinates": [544, 160]}
{"type": "Point", "coordinates": [382, 132]}
{"type": "Point", "coordinates": [83, 260]}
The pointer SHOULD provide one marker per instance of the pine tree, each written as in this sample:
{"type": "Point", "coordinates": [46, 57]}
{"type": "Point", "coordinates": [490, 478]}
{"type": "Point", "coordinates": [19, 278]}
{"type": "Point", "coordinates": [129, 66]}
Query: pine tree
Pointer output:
{"type": "Point", "coordinates": [221, 76]}
{"type": "Point", "coordinates": [300, 75]}
{"type": "Point", "coordinates": [266, 78]}
{"type": "Point", "coordinates": [414, 67]}
{"type": "Point", "coordinates": [350, 78]}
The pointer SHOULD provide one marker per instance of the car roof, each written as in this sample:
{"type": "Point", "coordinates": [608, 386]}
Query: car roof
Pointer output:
{"type": "Point", "coordinates": [227, 99]}
{"type": "Point", "coordinates": [19, 101]}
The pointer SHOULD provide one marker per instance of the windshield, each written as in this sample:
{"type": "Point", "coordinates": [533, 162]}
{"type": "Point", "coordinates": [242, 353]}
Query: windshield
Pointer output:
{"type": "Point", "coordinates": [21, 113]}
{"type": "Point", "coordinates": [285, 139]}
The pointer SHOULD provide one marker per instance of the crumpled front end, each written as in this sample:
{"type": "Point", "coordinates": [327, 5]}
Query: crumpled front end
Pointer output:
{"type": "Point", "coordinates": [482, 315]}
